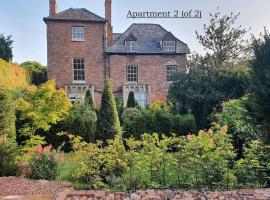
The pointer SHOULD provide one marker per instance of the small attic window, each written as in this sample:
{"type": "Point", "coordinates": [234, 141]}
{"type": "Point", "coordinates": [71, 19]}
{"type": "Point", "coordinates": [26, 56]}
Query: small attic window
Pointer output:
{"type": "Point", "coordinates": [130, 46]}
{"type": "Point", "coordinates": [168, 42]}
{"type": "Point", "coordinates": [130, 42]}
{"type": "Point", "coordinates": [169, 46]}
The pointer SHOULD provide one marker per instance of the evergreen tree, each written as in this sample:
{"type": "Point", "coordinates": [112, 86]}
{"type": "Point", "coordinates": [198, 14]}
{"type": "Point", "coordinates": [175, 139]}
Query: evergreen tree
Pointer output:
{"type": "Point", "coordinates": [7, 115]}
{"type": "Point", "coordinates": [88, 100]}
{"type": "Point", "coordinates": [108, 125]}
{"type": "Point", "coordinates": [261, 80]}
{"type": "Point", "coordinates": [6, 48]}
{"type": "Point", "coordinates": [131, 102]}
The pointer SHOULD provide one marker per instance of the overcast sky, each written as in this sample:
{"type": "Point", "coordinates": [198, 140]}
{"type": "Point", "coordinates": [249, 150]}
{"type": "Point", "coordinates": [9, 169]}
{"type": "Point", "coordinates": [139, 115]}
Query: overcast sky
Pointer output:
{"type": "Point", "coordinates": [23, 19]}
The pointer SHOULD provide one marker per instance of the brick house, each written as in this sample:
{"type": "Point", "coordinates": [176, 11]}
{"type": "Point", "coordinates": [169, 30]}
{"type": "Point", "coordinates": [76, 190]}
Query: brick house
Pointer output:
{"type": "Point", "coordinates": [83, 50]}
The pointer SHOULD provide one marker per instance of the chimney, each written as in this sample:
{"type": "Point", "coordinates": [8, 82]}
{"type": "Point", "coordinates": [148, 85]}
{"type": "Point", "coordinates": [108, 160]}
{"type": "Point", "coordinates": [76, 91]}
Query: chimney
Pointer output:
{"type": "Point", "coordinates": [53, 7]}
{"type": "Point", "coordinates": [108, 16]}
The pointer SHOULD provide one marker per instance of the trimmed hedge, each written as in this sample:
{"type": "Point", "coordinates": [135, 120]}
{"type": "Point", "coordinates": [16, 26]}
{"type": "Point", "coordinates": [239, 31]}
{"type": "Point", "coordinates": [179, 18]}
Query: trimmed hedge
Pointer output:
{"type": "Point", "coordinates": [136, 122]}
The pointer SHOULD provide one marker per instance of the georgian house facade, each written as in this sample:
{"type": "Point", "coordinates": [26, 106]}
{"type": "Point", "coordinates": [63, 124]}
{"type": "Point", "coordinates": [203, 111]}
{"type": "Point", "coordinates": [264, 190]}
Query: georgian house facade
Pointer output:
{"type": "Point", "coordinates": [83, 51]}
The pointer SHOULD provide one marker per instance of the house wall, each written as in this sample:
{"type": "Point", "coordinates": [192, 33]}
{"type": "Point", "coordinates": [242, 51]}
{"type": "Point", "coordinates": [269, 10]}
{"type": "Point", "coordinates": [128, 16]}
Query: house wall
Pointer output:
{"type": "Point", "coordinates": [62, 50]}
{"type": "Point", "coordinates": [151, 71]}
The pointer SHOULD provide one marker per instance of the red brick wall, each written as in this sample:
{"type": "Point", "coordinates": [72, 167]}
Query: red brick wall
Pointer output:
{"type": "Point", "coordinates": [62, 50]}
{"type": "Point", "coordinates": [151, 71]}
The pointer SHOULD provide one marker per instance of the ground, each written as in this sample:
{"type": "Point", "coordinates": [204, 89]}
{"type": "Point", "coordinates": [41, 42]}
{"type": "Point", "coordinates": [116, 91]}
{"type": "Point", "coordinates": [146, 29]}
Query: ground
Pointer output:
{"type": "Point", "coordinates": [15, 188]}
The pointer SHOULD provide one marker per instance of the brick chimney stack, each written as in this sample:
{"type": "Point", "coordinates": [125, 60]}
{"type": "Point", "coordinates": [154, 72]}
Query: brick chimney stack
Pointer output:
{"type": "Point", "coordinates": [108, 16]}
{"type": "Point", "coordinates": [53, 7]}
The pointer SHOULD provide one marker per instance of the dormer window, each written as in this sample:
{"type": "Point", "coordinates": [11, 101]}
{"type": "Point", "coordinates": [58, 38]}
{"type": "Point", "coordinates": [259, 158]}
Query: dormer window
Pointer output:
{"type": "Point", "coordinates": [169, 46]}
{"type": "Point", "coordinates": [130, 46]}
{"type": "Point", "coordinates": [168, 42]}
{"type": "Point", "coordinates": [78, 33]}
{"type": "Point", "coordinates": [130, 43]}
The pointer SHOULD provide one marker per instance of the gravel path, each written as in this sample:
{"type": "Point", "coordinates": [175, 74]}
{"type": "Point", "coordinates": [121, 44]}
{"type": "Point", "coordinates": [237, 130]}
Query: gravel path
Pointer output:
{"type": "Point", "coordinates": [21, 186]}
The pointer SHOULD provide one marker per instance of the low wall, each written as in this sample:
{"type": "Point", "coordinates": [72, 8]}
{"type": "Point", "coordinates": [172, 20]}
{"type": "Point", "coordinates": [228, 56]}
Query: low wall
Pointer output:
{"type": "Point", "coordinates": [261, 194]}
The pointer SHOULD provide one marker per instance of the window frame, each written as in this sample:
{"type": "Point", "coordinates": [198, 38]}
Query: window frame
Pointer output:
{"type": "Point", "coordinates": [75, 32]}
{"type": "Point", "coordinates": [132, 77]}
{"type": "Point", "coordinates": [169, 48]}
{"type": "Point", "coordinates": [83, 70]}
{"type": "Point", "coordinates": [130, 46]}
{"type": "Point", "coordinates": [169, 72]}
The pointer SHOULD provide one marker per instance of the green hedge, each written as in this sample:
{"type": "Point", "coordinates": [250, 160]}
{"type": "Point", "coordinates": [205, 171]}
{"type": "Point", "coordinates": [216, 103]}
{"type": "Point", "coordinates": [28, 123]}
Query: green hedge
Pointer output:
{"type": "Point", "coordinates": [136, 122]}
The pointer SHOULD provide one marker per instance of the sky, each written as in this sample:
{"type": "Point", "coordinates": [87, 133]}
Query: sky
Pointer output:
{"type": "Point", "coordinates": [23, 19]}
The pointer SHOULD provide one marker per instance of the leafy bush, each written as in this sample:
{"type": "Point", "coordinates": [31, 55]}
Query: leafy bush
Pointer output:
{"type": "Point", "coordinates": [194, 161]}
{"type": "Point", "coordinates": [37, 72]}
{"type": "Point", "coordinates": [253, 170]}
{"type": "Point", "coordinates": [43, 166]}
{"type": "Point", "coordinates": [236, 114]}
{"type": "Point", "coordinates": [155, 120]}
{"type": "Point", "coordinates": [8, 153]}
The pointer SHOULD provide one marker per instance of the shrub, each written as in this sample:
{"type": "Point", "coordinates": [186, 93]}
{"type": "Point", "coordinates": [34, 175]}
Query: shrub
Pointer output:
{"type": "Point", "coordinates": [37, 72]}
{"type": "Point", "coordinates": [253, 170]}
{"type": "Point", "coordinates": [7, 114]}
{"type": "Point", "coordinates": [131, 102]}
{"type": "Point", "coordinates": [155, 120]}
{"type": "Point", "coordinates": [8, 153]}
{"type": "Point", "coordinates": [108, 125]}
{"type": "Point", "coordinates": [195, 161]}
{"type": "Point", "coordinates": [43, 166]}
{"type": "Point", "coordinates": [88, 101]}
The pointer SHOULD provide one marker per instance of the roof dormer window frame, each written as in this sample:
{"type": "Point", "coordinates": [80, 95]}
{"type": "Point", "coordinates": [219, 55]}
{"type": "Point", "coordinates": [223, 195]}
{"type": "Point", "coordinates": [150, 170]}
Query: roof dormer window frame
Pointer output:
{"type": "Point", "coordinates": [169, 46]}
{"type": "Point", "coordinates": [130, 46]}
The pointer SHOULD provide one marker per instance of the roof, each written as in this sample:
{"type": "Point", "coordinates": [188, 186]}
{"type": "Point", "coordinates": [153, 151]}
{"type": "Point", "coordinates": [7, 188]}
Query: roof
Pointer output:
{"type": "Point", "coordinates": [148, 40]}
{"type": "Point", "coordinates": [130, 37]}
{"type": "Point", "coordinates": [75, 14]}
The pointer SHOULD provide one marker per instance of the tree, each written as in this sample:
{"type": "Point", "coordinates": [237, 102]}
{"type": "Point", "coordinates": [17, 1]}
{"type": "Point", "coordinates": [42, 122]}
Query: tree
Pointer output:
{"type": "Point", "coordinates": [42, 107]}
{"type": "Point", "coordinates": [36, 71]}
{"type": "Point", "coordinates": [108, 125]}
{"type": "Point", "coordinates": [88, 101]}
{"type": "Point", "coordinates": [6, 48]}
{"type": "Point", "coordinates": [131, 102]}
{"type": "Point", "coordinates": [261, 80]}
{"type": "Point", "coordinates": [81, 121]}
{"type": "Point", "coordinates": [200, 90]}
{"type": "Point", "coordinates": [241, 125]}
{"type": "Point", "coordinates": [7, 114]}
{"type": "Point", "coordinates": [222, 39]}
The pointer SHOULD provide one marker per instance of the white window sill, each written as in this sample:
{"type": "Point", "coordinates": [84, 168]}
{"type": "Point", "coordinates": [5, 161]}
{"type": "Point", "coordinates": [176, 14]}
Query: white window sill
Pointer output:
{"type": "Point", "coordinates": [79, 82]}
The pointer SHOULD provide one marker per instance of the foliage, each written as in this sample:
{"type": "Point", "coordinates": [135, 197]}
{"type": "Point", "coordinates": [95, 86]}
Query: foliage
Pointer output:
{"type": "Point", "coordinates": [119, 101]}
{"type": "Point", "coordinates": [236, 114]}
{"type": "Point", "coordinates": [195, 161]}
{"type": "Point", "coordinates": [37, 72]}
{"type": "Point", "coordinates": [253, 170]}
{"type": "Point", "coordinates": [8, 153]}
{"type": "Point", "coordinates": [222, 39]}
{"type": "Point", "coordinates": [7, 114]}
{"type": "Point", "coordinates": [261, 80]}
{"type": "Point", "coordinates": [42, 107]}
{"type": "Point", "coordinates": [88, 101]}
{"type": "Point", "coordinates": [43, 166]}
{"type": "Point", "coordinates": [12, 76]}
{"type": "Point", "coordinates": [200, 91]}
{"type": "Point", "coordinates": [131, 102]}
{"type": "Point", "coordinates": [81, 121]}
{"type": "Point", "coordinates": [6, 48]}
{"type": "Point", "coordinates": [156, 119]}
{"type": "Point", "coordinates": [108, 125]}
